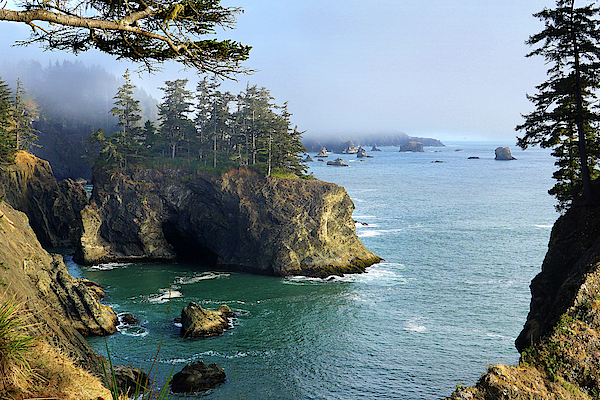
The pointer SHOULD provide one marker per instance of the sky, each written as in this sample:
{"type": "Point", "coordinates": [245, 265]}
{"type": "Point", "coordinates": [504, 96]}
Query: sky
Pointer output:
{"type": "Point", "coordinates": [451, 70]}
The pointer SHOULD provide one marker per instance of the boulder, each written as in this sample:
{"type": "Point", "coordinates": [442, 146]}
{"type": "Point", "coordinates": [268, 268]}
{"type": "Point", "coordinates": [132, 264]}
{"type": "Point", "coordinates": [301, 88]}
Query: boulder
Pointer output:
{"type": "Point", "coordinates": [412, 146]}
{"type": "Point", "coordinates": [375, 148]}
{"type": "Point", "coordinates": [130, 380]}
{"type": "Point", "coordinates": [473, 158]}
{"type": "Point", "coordinates": [503, 153]}
{"type": "Point", "coordinates": [199, 322]}
{"type": "Point", "coordinates": [128, 319]}
{"type": "Point", "coordinates": [197, 377]}
{"type": "Point", "coordinates": [338, 162]}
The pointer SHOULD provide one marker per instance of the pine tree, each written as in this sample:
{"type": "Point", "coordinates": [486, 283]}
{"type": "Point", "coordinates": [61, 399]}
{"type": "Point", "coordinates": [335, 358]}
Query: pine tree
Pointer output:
{"type": "Point", "coordinates": [174, 114]}
{"type": "Point", "coordinates": [127, 111]}
{"type": "Point", "coordinates": [8, 147]}
{"type": "Point", "coordinates": [25, 112]}
{"type": "Point", "coordinates": [565, 116]}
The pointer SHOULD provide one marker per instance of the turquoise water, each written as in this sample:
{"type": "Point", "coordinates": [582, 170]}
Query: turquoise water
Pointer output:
{"type": "Point", "coordinates": [462, 239]}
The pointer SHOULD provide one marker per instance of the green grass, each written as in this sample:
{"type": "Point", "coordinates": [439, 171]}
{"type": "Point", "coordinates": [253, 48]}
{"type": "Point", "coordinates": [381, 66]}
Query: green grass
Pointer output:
{"type": "Point", "coordinates": [14, 342]}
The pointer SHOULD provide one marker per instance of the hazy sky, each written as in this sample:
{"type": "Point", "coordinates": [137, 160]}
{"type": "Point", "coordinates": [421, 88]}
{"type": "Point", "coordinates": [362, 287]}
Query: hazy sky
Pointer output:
{"type": "Point", "coordinates": [437, 68]}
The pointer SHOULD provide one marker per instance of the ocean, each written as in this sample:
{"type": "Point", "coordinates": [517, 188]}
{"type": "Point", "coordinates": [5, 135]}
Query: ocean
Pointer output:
{"type": "Point", "coordinates": [461, 238]}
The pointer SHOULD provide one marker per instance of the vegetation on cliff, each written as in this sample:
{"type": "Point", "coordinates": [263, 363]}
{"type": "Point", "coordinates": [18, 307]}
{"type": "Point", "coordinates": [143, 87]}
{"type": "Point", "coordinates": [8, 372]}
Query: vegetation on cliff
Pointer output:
{"type": "Point", "coordinates": [566, 106]}
{"type": "Point", "coordinates": [208, 129]}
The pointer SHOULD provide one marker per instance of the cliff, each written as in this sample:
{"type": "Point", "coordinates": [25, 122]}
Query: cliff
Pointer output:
{"type": "Point", "coordinates": [53, 208]}
{"type": "Point", "coordinates": [560, 342]}
{"type": "Point", "coordinates": [239, 220]}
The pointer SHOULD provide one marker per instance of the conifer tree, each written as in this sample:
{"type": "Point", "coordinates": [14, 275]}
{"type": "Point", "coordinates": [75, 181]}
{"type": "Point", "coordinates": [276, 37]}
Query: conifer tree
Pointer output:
{"type": "Point", "coordinates": [174, 114]}
{"type": "Point", "coordinates": [127, 110]}
{"type": "Point", "coordinates": [566, 115]}
{"type": "Point", "coordinates": [8, 146]}
{"type": "Point", "coordinates": [24, 113]}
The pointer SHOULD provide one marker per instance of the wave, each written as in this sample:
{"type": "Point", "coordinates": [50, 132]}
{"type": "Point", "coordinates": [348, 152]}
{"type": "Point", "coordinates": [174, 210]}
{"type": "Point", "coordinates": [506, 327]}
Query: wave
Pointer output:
{"type": "Point", "coordinates": [185, 280]}
{"type": "Point", "coordinates": [307, 280]}
{"type": "Point", "coordinates": [164, 296]}
{"type": "Point", "coordinates": [375, 232]}
{"type": "Point", "coordinates": [543, 226]}
{"type": "Point", "coordinates": [413, 325]}
{"type": "Point", "coordinates": [359, 224]}
{"type": "Point", "coordinates": [364, 216]}
{"type": "Point", "coordinates": [130, 330]}
{"type": "Point", "coordinates": [108, 266]}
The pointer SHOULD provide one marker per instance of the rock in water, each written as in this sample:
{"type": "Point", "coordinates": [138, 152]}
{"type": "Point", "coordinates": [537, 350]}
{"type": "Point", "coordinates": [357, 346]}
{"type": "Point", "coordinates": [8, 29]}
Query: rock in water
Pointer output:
{"type": "Point", "coordinates": [197, 377]}
{"type": "Point", "coordinates": [199, 322]}
{"type": "Point", "coordinates": [413, 146]}
{"type": "Point", "coordinates": [240, 220]}
{"type": "Point", "coordinates": [375, 148]}
{"type": "Point", "coordinates": [338, 162]}
{"type": "Point", "coordinates": [322, 153]}
{"type": "Point", "coordinates": [308, 158]}
{"type": "Point", "coordinates": [130, 379]}
{"type": "Point", "coordinates": [503, 153]}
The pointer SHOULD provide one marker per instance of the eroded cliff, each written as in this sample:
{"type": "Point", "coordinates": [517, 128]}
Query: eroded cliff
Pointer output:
{"type": "Point", "coordinates": [239, 220]}
{"type": "Point", "coordinates": [560, 342]}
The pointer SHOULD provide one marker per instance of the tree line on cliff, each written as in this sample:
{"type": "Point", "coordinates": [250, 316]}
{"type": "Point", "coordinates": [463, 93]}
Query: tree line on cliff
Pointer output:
{"type": "Point", "coordinates": [207, 129]}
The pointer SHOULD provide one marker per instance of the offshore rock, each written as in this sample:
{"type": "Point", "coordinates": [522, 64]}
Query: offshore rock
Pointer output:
{"type": "Point", "coordinates": [197, 377]}
{"type": "Point", "coordinates": [53, 208]}
{"type": "Point", "coordinates": [415, 147]}
{"type": "Point", "coordinates": [322, 153]}
{"type": "Point", "coordinates": [199, 322]}
{"type": "Point", "coordinates": [60, 307]}
{"type": "Point", "coordinates": [240, 220]}
{"type": "Point", "coordinates": [362, 153]}
{"type": "Point", "coordinates": [503, 153]}
{"type": "Point", "coordinates": [338, 162]}
{"type": "Point", "coordinates": [375, 148]}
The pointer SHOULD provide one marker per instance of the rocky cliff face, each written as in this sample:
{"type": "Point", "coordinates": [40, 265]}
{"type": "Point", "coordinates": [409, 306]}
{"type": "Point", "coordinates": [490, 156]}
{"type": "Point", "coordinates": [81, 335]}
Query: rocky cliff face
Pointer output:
{"type": "Point", "coordinates": [53, 208]}
{"type": "Point", "coordinates": [240, 220]}
{"type": "Point", "coordinates": [560, 343]}
{"type": "Point", "coordinates": [60, 307]}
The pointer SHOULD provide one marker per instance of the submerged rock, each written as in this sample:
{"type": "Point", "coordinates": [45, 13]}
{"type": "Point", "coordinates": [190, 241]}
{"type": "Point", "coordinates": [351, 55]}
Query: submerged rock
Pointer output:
{"type": "Point", "coordinates": [338, 162]}
{"type": "Point", "coordinates": [240, 220]}
{"type": "Point", "coordinates": [197, 377]}
{"type": "Point", "coordinates": [412, 146]}
{"type": "Point", "coordinates": [199, 322]}
{"type": "Point", "coordinates": [503, 153]}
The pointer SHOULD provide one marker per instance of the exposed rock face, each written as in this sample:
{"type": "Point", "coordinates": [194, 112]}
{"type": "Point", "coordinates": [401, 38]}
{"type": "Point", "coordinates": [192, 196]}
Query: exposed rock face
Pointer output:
{"type": "Point", "coordinates": [362, 153]}
{"type": "Point", "coordinates": [60, 306]}
{"type": "Point", "coordinates": [415, 147]}
{"type": "Point", "coordinates": [338, 162]}
{"type": "Point", "coordinates": [53, 208]}
{"type": "Point", "coordinates": [197, 377]}
{"type": "Point", "coordinates": [308, 158]}
{"type": "Point", "coordinates": [240, 220]}
{"type": "Point", "coordinates": [503, 153]}
{"type": "Point", "coordinates": [375, 148]}
{"type": "Point", "coordinates": [323, 153]}
{"type": "Point", "coordinates": [130, 379]}
{"type": "Point", "coordinates": [560, 343]}
{"type": "Point", "coordinates": [199, 322]}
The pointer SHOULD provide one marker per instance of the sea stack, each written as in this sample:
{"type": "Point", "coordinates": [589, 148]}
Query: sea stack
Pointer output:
{"type": "Point", "coordinates": [503, 154]}
{"type": "Point", "coordinates": [412, 146]}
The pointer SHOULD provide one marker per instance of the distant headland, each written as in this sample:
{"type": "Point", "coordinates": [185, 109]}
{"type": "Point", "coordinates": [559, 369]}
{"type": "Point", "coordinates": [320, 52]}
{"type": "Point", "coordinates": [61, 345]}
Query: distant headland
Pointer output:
{"type": "Point", "coordinates": [339, 143]}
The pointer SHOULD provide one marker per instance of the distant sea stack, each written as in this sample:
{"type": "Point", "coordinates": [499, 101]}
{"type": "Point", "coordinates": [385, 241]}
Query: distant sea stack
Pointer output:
{"type": "Point", "coordinates": [240, 220]}
{"type": "Point", "coordinates": [415, 147]}
{"type": "Point", "coordinates": [503, 154]}
{"type": "Point", "coordinates": [338, 144]}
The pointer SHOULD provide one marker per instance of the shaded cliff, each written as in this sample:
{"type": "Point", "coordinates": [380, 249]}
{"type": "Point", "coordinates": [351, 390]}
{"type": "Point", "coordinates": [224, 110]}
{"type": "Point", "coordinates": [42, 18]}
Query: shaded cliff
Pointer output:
{"type": "Point", "coordinates": [60, 307]}
{"type": "Point", "coordinates": [53, 208]}
{"type": "Point", "coordinates": [560, 342]}
{"type": "Point", "coordinates": [239, 220]}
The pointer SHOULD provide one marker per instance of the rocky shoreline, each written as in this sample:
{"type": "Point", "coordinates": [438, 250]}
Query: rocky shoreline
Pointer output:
{"type": "Point", "coordinates": [240, 220]}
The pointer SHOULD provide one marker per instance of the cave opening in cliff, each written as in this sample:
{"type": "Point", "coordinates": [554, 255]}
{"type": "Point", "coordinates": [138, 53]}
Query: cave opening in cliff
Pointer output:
{"type": "Point", "coordinates": [188, 247]}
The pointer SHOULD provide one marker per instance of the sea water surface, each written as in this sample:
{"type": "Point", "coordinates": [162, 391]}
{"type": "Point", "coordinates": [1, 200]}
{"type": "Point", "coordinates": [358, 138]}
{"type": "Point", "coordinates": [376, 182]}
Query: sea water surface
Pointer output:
{"type": "Point", "coordinates": [461, 238]}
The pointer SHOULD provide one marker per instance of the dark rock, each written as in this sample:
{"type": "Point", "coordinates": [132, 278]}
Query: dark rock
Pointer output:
{"type": "Point", "coordinates": [240, 220]}
{"type": "Point", "coordinates": [197, 377]}
{"type": "Point", "coordinates": [308, 158]}
{"type": "Point", "coordinates": [473, 158]}
{"type": "Point", "coordinates": [412, 146]}
{"type": "Point", "coordinates": [53, 208]}
{"type": "Point", "coordinates": [436, 162]}
{"type": "Point", "coordinates": [374, 148]}
{"type": "Point", "coordinates": [458, 150]}
{"type": "Point", "coordinates": [129, 319]}
{"type": "Point", "coordinates": [199, 322]}
{"type": "Point", "coordinates": [338, 162]}
{"type": "Point", "coordinates": [130, 380]}
{"type": "Point", "coordinates": [503, 153]}
{"type": "Point", "coordinates": [320, 160]}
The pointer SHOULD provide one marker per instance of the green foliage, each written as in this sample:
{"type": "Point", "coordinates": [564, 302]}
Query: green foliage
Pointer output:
{"type": "Point", "coordinates": [566, 114]}
{"type": "Point", "coordinates": [248, 130]}
{"type": "Point", "coordinates": [25, 111]}
{"type": "Point", "coordinates": [8, 147]}
{"type": "Point", "coordinates": [14, 342]}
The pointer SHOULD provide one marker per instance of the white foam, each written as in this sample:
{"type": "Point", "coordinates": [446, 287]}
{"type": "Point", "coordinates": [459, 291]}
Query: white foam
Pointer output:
{"type": "Point", "coordinates": [414, 326]}
{"type": "Point", "coordinates": [543, 226]}
{"type": "Point", "coordinates": [375, 232]}
{"type": "Point", "coordinates": [364, 216]}
{"type": "Point", "coordinates": [307, 280]}
{"type": "Point", "coordinates": [164, 296]}
{"type": "Point", "coordinates": [188, 280]}
{"type": "Point", "coordinates": [108, 266]}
